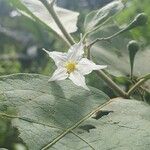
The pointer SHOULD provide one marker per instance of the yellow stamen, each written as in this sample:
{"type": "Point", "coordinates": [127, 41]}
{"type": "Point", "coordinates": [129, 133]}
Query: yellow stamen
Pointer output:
{"type": "Point", "coordinates": [70, 66]}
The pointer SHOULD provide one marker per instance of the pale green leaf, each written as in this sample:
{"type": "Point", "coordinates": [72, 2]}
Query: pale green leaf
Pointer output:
{"type": "Point", "coordinates": [60, 115]}
{"type": "Point", "coordinates": [124, 125]}
{"type": "Point", "coordinates": [37, 11]}
{"type": "Point", "coordinates": [97, 17]}
{"type": "Point", "coordinates": [44, 112]}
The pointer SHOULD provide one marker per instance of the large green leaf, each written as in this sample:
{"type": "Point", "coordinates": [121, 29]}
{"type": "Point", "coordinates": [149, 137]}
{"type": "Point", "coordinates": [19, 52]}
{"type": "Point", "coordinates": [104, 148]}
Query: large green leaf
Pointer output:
{"type": "Point", "coordinates": [37, 11]}
{"type": "Point", "coordinates": [97, 17]}
{"type": "Point", "coordinates": [60, 115]}
{"type": "Point", "coordinates": [45, 112]}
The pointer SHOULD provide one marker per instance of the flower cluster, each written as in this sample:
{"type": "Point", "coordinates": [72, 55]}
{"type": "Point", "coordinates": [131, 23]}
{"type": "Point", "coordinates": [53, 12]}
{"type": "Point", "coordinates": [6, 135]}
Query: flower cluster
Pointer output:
{"type": "Point", "coordinates": [73, 65]}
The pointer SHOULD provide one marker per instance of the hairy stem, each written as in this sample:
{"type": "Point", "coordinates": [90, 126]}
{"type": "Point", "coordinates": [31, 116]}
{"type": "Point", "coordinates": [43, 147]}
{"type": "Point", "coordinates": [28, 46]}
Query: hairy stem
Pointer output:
{"type": "Point", "coordinates": [108, 80]}
{"type": "Point", "coordinates": [130, 26]}
{"type": "Point", "coordinates": [105, 39]}
{"type": "Point", "coordinates": [137, 85]}
{"type": "Point", "coordinates": [50, 8]}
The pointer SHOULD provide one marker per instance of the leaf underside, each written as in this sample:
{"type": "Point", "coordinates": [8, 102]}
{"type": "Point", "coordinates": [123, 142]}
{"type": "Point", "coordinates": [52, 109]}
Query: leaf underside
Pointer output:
{"type": "Point", "coordinates": [35, 10]}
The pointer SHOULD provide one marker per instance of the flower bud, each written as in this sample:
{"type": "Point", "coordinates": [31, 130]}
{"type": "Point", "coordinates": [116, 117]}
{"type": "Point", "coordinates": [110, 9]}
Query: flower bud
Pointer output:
{"type": "Point", "coordinates": [139, 20]}
{"type": "Point", "coordinates": [132, 47]}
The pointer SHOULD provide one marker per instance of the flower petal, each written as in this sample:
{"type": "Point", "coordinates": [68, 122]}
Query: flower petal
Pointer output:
{"type": "Point", "coordinates": [58, 57]}
{"type": "Point", "coordinates": [59, 74]}
{"type": "Point", "coordinates": [86, 66]}
{"type": "Point", "coordinates": [78, 79]}
{"type": "Point", "coordinates": [76, 51]}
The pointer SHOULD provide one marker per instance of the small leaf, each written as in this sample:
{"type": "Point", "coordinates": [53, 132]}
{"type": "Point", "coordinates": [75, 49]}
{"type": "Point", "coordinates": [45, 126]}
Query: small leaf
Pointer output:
{"type": "Point", "coordinates": [95, 18]}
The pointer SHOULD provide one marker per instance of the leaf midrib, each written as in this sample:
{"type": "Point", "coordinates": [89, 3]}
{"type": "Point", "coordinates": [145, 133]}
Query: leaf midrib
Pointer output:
{"type": "Point", "coordinates": [76, 125]}
{"type": "Point", "coordinates": [66, 131]}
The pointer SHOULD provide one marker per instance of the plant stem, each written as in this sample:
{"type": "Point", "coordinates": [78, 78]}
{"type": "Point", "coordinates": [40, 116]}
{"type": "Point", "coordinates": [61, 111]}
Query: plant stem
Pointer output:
{"type": "Point", "coordinates": [138, 84]}
{"type": "Point", "coordinates": [135, 86]}
{"type": "Point", "coordinates": [105, 39]}
{"type": "Point", "coordinates": [107, 79]}
{"type": "Point", "coordinates": [147, 77]}
{"type": "Point", "coordinates": [100, 73]}
{"type": "Point", "coordinates": [130, 26]}
{"type": "Point", "coordinates": [50, 8]}
{"type": "Point", "coordinates": [112, 84]}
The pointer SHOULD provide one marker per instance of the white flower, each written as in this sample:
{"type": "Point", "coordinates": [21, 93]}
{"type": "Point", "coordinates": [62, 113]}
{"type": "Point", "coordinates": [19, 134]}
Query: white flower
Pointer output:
{"type": "Point", "coordinates": [72, 65]}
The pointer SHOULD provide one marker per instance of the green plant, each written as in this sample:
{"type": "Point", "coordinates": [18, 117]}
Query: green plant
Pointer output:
{"type": "Point", "coordinates": [49, 115]}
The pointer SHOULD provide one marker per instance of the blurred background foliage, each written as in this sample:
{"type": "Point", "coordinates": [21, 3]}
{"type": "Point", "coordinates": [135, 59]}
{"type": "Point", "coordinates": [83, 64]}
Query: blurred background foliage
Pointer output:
{"type": "Point", "coordinates": [134, 7]}
{"type": "Point", "coordinates": [22, 40]}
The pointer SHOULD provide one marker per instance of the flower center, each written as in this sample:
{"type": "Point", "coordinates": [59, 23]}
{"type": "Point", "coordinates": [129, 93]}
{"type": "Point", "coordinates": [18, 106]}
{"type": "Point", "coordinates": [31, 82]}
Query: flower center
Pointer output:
{"type": "Point", "coordinates": [70, 66]}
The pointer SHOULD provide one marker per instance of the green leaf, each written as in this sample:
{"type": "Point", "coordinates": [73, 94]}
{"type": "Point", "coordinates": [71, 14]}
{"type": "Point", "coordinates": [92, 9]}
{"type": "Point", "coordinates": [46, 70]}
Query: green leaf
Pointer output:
{"type": "Point", "coordinates": [45, 112]}
{"type": "Point", "coordinates": [37, 11]}
{"type": "Point", "coordinates": [58, 114]}
{"type": "Point", "coordinates": [97, 17]}
{"type": "Point", "coordinates": [120, 125]}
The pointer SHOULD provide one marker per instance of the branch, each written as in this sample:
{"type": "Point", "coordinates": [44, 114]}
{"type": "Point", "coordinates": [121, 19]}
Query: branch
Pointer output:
{"type": "Point", "coordinates": [50, 8]}
{"type": "Point", "coordinates": [139, 20]}
{"type": "Point", "coordinates": [138, 84]}
{"type": "Point", "coordinates": [112, 84]}
{"type": "Point", "coordinates": [107, 39]}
